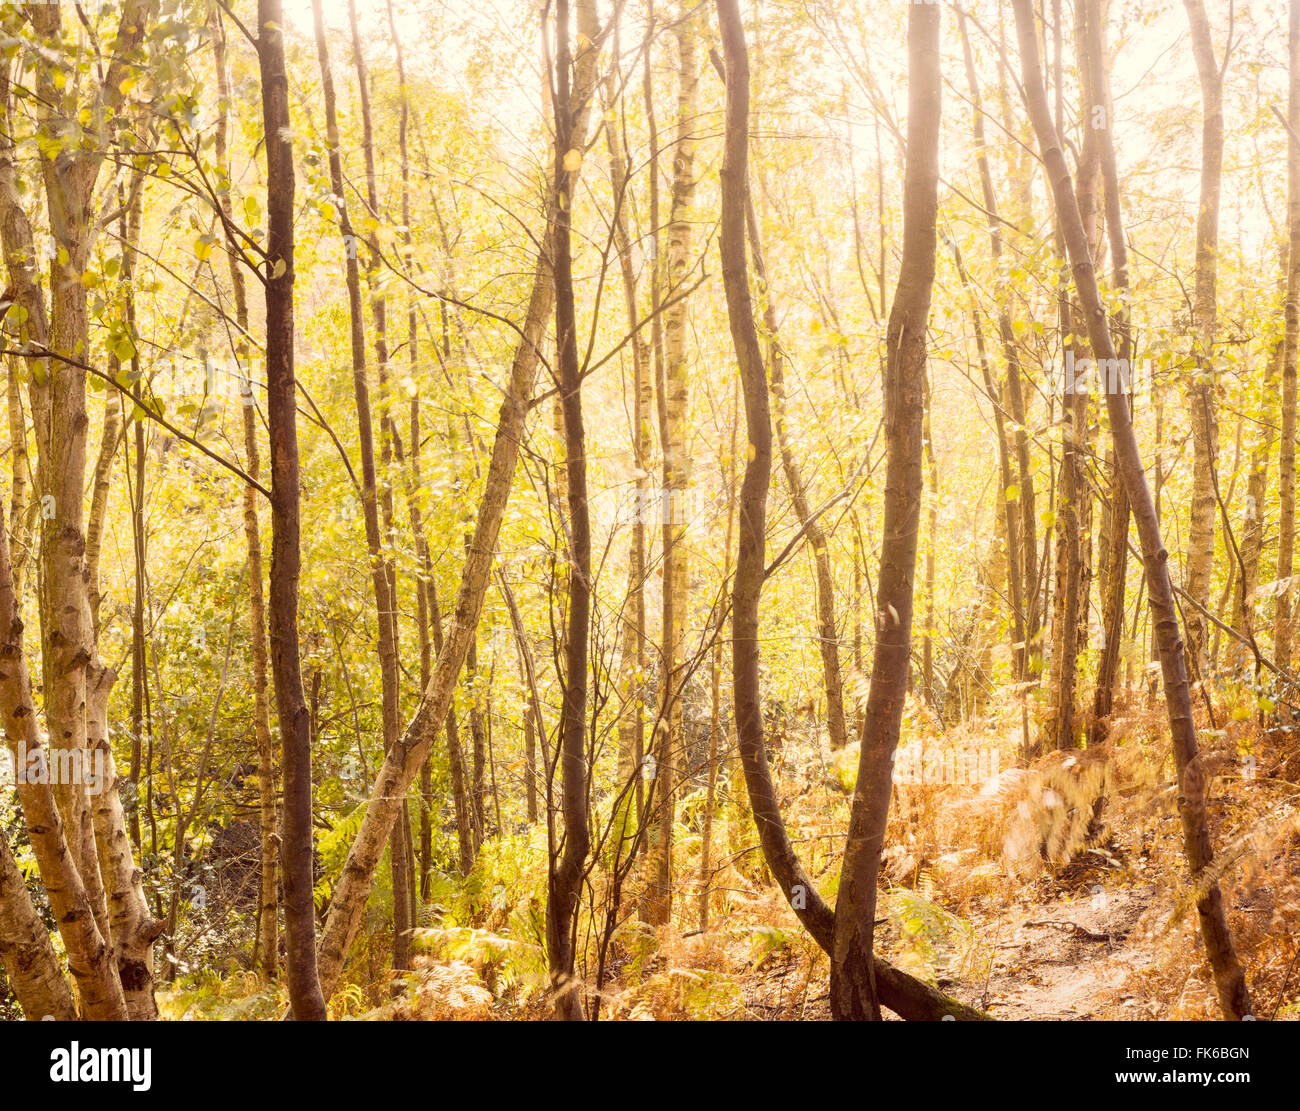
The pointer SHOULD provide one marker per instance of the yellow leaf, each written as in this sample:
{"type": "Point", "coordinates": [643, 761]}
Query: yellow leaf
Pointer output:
{"type": "Point", "coordinates": [573, 160]}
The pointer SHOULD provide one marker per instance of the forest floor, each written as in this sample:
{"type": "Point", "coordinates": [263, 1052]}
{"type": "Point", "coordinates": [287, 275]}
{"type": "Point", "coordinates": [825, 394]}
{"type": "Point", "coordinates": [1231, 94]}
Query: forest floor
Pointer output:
{"type": "Point", "coordinates": [1056, 891]}
{"type": "Point", "coordinates": [1061, 953]}
{"type": "Point", "coordinates": [1067, 953]}
{"type": "Point", "coordinates": [1105, 932]}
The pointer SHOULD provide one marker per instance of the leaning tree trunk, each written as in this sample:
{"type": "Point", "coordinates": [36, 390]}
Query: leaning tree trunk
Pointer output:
{"type": "Point", "coordinates": [403, 761]}
{"type": "Point", "coordinates": [296, 848]}
{"type": "Point", "coordinates": [26, 951]}
{"type": "Point", "coordinates": [1192, 779]}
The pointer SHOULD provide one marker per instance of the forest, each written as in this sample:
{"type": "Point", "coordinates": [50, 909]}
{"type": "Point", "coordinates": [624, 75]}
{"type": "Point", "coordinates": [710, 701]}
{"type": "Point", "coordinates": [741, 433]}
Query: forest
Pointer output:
{"type": "Point", "coordinates": [759, 510]}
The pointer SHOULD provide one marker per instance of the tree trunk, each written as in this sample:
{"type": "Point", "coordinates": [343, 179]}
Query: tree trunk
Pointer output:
{"type": "Point", "coordinates": [478, 735]}
{"type": "Point", "coordinates": [715, 671]}
{"type": "Point", "coordinates": [401, 856]}
{"type": "Point", "coordinates": [462, 804]}
{"type": "Point", "coordinates": [75, 679]}
{"type": "Point", "coordinates": [26, 951]}
{"type": "Point", "coordinates": [94, 972]}
{"type": "Point", "coordinates": [385, 615]}
{"type": "Point", "coordinates": [1005, 511]}
{"type": "Point", "coordinates": [632, 649]}
{"type": "Point", "coordinates": [1025, 552]}
{"type": "Point", "coordinates": [1202, 410]}
{"type": "Point", "coordinates": [828, 637]}
{"type": "Point", "coordinates": [854, 993]}
{"type": "Point", "coordinates": [296, 848]}
{"type": "Point", "coordinates": [268, 942]}
{"type": "Point", "coordinates": [1283, 631]}
{"type": "Point", "coordinates": [1114, 571]}
{"type": "Point", "coordinates": [565, 875]}
{"type": "Point", "coordinates": [669, 762]}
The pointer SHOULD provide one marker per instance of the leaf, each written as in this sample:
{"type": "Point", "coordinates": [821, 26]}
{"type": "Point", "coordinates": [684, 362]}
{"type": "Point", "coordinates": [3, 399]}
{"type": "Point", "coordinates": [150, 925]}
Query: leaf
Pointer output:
{"type": "Point", "coordinates": [573, 160]}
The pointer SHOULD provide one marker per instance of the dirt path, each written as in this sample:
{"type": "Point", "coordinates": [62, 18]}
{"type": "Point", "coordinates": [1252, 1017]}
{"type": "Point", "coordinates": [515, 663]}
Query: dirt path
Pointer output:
{"type": "Point", "coordinates": [1066, 957]}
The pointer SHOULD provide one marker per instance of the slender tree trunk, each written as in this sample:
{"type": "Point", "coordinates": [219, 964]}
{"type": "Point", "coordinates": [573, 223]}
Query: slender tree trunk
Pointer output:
{"type": "Point", "coordinates": [565, 875]}
{"type": "Point", "coordinates": [382, 584]}
{"type": "Point", "coordinates": [632, 654]}
{"type": "Point", "coordinates": [715, 672]}
{"type": "Point", "coordinates": [478, 735]}
{"type": "Point", "coordinates": [268, 941]}
{"type": "Point", "coordinates": [854, 993]}
{"type": "Point", "coordinates": [1252, 537]}
{"type": "Point", "coordinates": [296, 849]}
{"type": "Point", "coordinates": [1027, 532]}
{"type": "Point", "coordinates": [390, 678]}
{"type": "Point", "coordinates": [827, 630]}
{"type": "Point", "coordinates": [1283, 630]}
{"type": "Point", "coordinates": [1202, 410]}
{"type": "Point", "coordinates": [1006, 512]}
{"type": "Point", "coordinates": [460, 784]}
{"type": "Point", "coordinates": [1114, 570]}
{"type": "Point", "coordinates": [669, 763]}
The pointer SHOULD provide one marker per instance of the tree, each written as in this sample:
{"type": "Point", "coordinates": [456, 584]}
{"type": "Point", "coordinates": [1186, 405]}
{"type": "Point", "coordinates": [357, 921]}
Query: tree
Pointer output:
{"type": "Point", "coordinates": [1233, 995]}
{"type": "Point", "coordinates": [296, 849]}
{"type": "Point", "coordinates": [674, 396]}
{"type": "Point", "coordinates": [1203, 411]}
{"type": "Point", "coordinates": [854, 992]}
{"type": "Point", "coordinates": [901, 993]}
